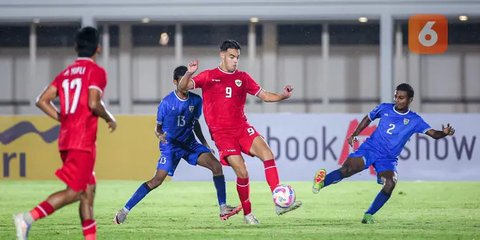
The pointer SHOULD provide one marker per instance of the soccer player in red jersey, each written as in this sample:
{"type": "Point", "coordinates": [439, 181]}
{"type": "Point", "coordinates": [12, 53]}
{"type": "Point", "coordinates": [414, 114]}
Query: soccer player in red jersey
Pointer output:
{"type": "Point", "coordinates": [224, 91]}
{"type": "Point", "coordinates": [79, 88]}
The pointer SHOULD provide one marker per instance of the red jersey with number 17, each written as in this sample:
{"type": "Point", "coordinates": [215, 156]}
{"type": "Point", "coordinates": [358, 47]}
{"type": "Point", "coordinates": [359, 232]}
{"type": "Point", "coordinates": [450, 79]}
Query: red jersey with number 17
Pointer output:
{"type": "Point", "coordinates": [78, 124]}
{"type": "Point", "coordinates": [224, 96]}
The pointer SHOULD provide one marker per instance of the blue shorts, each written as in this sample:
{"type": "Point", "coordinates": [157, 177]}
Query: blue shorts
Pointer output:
{"type": "Point", "coordinates": [171, 155]}
{"type": "Point", "coordinates": [370, 157]}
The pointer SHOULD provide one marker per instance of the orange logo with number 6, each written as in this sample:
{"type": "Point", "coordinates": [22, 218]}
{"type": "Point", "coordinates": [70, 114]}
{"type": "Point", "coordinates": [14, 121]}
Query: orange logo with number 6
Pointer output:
{"type": "Point", "coordinates": [428, 34]}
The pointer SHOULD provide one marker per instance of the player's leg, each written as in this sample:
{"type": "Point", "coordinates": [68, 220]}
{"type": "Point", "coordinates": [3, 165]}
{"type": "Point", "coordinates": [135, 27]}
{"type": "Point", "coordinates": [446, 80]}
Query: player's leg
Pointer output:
{"type": "Point", "coordinates": [207, 160]}
{"type": "Point", "coordinates": [230, 155]}
{"type": "Point", "coordinates": [260, 149]}
{"type": "Point", "coordinates": [139, 194]}
{"type": "Point", "coordinates": [89, 225]}
{"type": "Point", "coordinates": [74, 172]}
{"type": "Point", "coordinates": [243, 186]}
{"type": "Point", "coordinates": [166, 164]}
{"type": "Point", "coordinates": [55, 201]}
{"type": "Point", "coordinates": [390, 180]}
{"type": "Point", "coordinates": [350, 167]}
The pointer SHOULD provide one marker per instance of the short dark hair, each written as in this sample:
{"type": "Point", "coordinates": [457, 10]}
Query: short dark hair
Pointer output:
{"type": "Point", "coordinates": [86, 41]}
{"type": "Point", "coordinates": [407, 88]}
{"type": "Point", "coordinates": [229, 44]}
{"type": "Point", "coordinates": [179, 72]}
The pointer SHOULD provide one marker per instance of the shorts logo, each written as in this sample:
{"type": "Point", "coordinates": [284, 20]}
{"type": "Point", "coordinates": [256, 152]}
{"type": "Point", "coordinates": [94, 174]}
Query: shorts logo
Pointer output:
{"type": "Point", "coordinates": [162, 160]}
{"type": "Point", "coordinates": [230, 150]}
{"type": "Point", "coordinates": [238, 82]}
{"type": "Point", "coordinates": [191, 108]}
{"type": "Point", "coordinates": [428, 33]}
{"type": "Point", "coordinates": [406, 121]}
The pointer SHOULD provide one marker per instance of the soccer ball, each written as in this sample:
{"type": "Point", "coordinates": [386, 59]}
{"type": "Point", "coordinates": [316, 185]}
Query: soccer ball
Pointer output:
{"type": "Point", "coordinates": [283, 196]}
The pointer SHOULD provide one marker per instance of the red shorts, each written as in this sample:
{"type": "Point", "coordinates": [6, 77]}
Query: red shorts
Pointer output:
{"type": "Point", "coordinates": [77, 169]}
{"type": "Point", "coordinates": [234, 141]}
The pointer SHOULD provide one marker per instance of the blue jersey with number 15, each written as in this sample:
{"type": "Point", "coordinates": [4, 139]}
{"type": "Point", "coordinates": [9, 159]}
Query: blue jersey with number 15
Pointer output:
{"type": "Point", "coordinates": [393, 130]}
{"type": "Point", "coordinates": [177, 116]}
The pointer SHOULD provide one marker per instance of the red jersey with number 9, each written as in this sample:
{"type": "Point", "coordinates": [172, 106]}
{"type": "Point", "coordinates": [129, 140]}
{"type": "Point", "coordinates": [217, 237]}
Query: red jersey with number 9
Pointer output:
{"type": "Point", "coordinates": [224, 96]}
{"type": "Point", "coordinates": [78, 124]}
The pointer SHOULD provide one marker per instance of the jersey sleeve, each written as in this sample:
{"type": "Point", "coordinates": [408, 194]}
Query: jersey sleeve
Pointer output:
{"type": "Point", "coordinates": [56, 81]}
{"type": "Point", "coordinates": [200, 80]}
{"type": "Point", "coordinates": [422, 126]}
{"type": "Point", "coordinates": [98, 79]}
{"type": "Point", "coordinates": [161, 111]}
{"type": "Point", "coordinates": [252, 87]}
{"type": "Point", "coordinates": [375, 113]}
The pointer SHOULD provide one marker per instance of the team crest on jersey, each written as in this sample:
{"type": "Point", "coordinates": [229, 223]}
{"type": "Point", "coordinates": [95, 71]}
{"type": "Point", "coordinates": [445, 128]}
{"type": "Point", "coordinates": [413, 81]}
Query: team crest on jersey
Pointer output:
{"type": "Point", "coordinates": [406, 121]}
{"type": "Point", "coordinates": [238, 82]}
{"type": "Point", "coordinates": [191, 108]}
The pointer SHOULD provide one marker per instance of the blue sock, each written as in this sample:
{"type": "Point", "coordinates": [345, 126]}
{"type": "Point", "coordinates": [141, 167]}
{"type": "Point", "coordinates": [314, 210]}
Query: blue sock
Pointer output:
{"type": "Point", "coordinates": [219, 182]}
{"type": "Point", "coordinates": [141, 192]}
{"type": "Point", "coordinates": [380, 200]}
{"type": "Point", "coordinates": [333, 177]}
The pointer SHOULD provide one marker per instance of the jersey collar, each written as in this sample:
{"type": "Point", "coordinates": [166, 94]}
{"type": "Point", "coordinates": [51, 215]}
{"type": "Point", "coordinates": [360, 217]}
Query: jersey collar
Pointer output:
{"type": "Point", "coordinates": [84, 59]}
{"type": "Point", "coordinates": [179, 98]}
{"type": "Point", "coordinates": [219, 69]}
{"type": "Point", "coordinates": [405, 113]}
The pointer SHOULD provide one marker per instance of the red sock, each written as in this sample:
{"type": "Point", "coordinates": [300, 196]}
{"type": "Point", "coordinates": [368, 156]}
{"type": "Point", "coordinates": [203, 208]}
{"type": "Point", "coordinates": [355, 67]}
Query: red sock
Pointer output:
{"type": "Point", "coordinates": [41, 210]}
{"type": "Point", "coordinates": [89, 229]}
{"type": "Point", "coordinates": [243, 189]}
{"type": "Point", "coordinates": [271, 173]}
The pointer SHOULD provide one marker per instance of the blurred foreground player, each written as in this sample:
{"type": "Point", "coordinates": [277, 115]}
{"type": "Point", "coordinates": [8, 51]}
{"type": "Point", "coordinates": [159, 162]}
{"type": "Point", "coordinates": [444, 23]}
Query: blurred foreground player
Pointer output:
{"type": "Point", "coordinates": [79, 88]}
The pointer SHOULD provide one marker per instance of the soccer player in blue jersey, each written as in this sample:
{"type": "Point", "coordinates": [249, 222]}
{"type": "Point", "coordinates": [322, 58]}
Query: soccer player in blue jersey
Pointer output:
{"type": "Point", "coordinates": [397, 124]}
{"type": "Point", "coordinates": [177, 119]}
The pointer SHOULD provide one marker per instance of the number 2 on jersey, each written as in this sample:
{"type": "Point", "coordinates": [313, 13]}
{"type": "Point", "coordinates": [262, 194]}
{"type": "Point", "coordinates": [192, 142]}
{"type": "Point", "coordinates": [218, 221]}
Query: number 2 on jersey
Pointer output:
{"type": "Point", "coordinates": [76, 84]}
{"type": "Point", "coordinates": [389, 130]}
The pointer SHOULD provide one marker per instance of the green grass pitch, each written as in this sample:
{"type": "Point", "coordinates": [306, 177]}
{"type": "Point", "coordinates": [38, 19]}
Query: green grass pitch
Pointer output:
{"type": "Point", "coordinates": [188, 210]}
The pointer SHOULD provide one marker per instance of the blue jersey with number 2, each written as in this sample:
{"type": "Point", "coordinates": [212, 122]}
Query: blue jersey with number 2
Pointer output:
{"type": "Point", "coordinates": [393, 130]}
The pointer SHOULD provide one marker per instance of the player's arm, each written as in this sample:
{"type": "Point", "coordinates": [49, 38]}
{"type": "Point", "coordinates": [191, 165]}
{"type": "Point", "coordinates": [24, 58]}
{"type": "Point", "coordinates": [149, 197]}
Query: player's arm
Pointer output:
{"type": "Point", "coordinates": [161, 135]}
{"type": "Point", "coordinates": [186, 82]}
{"type": "Point", "coordinates": [44, 102]}
{"type": "Point", "coordinates": [437, 134]}
{"type": "Point", "coordinates": [98, 107]}
{"type": "Point", "coordinates": [276, 97]}
{"type": "Point", "coordinates": [363, 124]}
{"type": "Point", "coordinates": [198, 132]}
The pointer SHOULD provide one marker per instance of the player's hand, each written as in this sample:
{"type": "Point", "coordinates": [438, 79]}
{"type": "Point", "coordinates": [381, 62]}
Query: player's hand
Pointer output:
{"type": "Point", "coordinates": [192, 66]}
{"type": "Point", "coordinates": [112, 125]}
{"type": "Point", "coordinates": [162, 137]}
{"type": "Point", "coordinates": [449, 130]}
{"type": "Point", "coordinates": [287, 91]}
{"type": "Point", "coordinates": [351, 140]}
